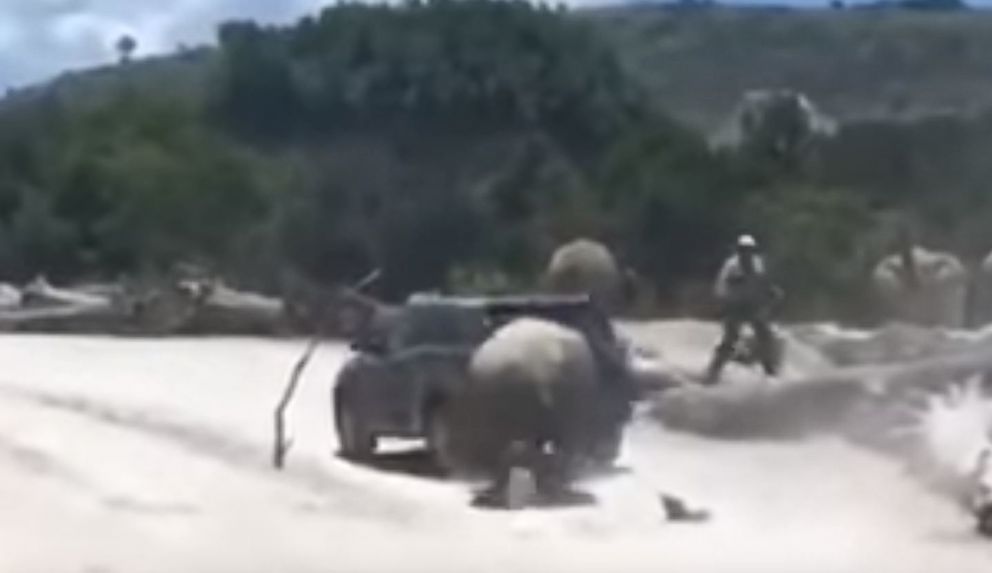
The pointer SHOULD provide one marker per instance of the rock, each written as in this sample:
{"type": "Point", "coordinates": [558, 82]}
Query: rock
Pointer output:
{"type": "Point", "coordinates": [676, 510]}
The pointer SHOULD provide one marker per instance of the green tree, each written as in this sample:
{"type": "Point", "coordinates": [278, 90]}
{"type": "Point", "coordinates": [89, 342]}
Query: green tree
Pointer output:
{"type": "Point", "coordinates": [671, 204]}
{"type": "Point", "coordinates": [126, 45]}
{"type": "Point", "coordinates": [38, 241]}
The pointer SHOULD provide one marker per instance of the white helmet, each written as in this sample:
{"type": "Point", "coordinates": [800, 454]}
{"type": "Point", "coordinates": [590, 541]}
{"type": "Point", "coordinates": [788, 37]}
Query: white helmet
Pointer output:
{"type": "Point", "coordinates": [746, 242]}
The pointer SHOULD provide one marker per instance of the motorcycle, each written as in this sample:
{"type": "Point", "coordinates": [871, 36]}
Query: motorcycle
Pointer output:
{"type": "Point", "coordinates": [747, 351]}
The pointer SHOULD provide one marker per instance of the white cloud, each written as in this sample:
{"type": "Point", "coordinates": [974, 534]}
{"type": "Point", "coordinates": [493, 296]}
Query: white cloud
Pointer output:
{"type": "Point", "coordinates": [10, 35]}
{"type": "Point", "coordinates": [40, 38]}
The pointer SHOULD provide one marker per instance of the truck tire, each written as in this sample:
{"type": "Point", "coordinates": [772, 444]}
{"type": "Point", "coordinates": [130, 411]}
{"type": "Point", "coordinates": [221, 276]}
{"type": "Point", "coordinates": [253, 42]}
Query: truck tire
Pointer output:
{"type": "Point", "coordinates": [984, 515]}
{"type": "Point", "coordinates": [355, 441]}
{"type": "Point", "coordinates": [440, 438]}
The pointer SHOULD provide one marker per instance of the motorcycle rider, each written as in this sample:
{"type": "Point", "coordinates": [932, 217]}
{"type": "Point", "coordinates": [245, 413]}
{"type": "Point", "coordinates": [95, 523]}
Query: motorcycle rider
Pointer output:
{"type": "Point", "coordinates": [746, 296]}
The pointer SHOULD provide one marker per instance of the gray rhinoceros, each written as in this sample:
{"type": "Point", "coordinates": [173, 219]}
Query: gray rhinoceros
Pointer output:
{"type": "Point", "coordinates": [584, 266]}
{"type": "Point", "coordinates": [923, 287]}
{"type": "Point", "coordinates": [538, 382]}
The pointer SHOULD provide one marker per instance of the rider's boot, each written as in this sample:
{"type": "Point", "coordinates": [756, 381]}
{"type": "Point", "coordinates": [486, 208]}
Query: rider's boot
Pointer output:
{"type": "Point", "coordinates": [767, 351]}
{"type": "Point", "coordinates": [723, 353]}
{"type": "Point", "coordinates": [769, 363]}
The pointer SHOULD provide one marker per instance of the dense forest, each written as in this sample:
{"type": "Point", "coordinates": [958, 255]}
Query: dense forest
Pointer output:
{"type": "Point", "coordinates": [452, 144]}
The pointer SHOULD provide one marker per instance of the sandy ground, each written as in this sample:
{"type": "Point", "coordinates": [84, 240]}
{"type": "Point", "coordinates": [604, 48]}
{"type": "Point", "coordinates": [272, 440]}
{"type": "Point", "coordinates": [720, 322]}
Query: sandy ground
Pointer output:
{"type": "Point", "coordinates": [151, 455]}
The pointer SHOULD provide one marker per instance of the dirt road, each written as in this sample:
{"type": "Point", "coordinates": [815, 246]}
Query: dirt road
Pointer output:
{"type": "Point", "coordinates": [150, 455]}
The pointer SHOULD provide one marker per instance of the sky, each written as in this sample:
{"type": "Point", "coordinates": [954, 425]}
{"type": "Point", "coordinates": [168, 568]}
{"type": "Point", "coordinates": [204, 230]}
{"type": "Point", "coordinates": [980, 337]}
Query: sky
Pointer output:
{"type": "Point", "coordinates": [41, 38]}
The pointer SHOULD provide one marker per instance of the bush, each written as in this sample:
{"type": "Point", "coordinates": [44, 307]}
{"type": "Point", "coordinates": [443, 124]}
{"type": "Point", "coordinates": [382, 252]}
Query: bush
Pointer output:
{"type": "Point", "coordinates": [815, 239]}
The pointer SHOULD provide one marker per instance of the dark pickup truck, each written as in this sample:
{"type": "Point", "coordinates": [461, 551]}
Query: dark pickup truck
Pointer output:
{"type": "Point", "coordinates": [402, 371]}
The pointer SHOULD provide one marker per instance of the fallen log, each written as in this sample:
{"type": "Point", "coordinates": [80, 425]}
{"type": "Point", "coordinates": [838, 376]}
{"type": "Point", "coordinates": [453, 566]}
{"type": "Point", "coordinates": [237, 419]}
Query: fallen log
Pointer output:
{"type": "Point", "coordinates": [109, 291]}
{"type": "Point", "coordinates": [94, 318]}
{"type": "Point", "coordinates": [10, 297]}
{"type": "Point", "coordinates": [40, 293]}
{"type": "Point", "coordinates": [192, 306]}
{"type": "Point", "coordinates": [203, 307]}
{"type": "Point", "coordinates": [224, 310]}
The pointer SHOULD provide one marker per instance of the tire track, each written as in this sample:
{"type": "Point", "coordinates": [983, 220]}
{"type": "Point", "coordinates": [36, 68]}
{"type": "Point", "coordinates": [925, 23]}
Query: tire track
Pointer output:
{"type": "Point", "coordinates": [39, 463]}
{"type": "Point", "coordinates": [203, 441]}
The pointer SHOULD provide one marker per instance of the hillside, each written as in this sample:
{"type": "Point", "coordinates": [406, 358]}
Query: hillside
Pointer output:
{"type": "Point", "coordinates": [854, 63]}
{"type": "Point", "coordinates": [362, 136]}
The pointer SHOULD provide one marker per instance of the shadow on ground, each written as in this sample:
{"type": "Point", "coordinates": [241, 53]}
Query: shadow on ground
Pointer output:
{"type": "Point", "coordinates": [418, 463]}
{"type": "Point", "coordinates": [570, 498]}
{"type": "Point", "coordinates": [414, 463]}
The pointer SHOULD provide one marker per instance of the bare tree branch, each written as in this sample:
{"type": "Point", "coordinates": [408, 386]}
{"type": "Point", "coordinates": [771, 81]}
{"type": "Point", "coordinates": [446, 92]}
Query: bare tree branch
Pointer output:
{"type": "Point", "coordinates": [368, 280]}
{"type": "Point", "coordinates": [282, 444]}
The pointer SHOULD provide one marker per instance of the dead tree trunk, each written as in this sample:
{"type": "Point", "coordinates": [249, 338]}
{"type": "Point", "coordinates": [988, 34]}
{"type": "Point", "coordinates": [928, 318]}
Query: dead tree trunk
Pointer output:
{"type": "Point", "coordinates": [77, 318]}
{"type": "Point", "coordinates": [282, 443]}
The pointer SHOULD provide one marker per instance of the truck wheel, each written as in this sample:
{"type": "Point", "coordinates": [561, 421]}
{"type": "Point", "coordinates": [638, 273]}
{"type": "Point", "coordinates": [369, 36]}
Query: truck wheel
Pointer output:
{"type": "Point", "coordinates": [439, 438]}
{"type": "Point", "coordinates": [355, 441]}
{"type": "Point", "coordinates": [985, 520]}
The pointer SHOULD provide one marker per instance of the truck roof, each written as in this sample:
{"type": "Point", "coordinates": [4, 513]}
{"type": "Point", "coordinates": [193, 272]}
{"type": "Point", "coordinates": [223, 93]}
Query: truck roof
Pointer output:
{"type": "Point", "coordinates": [503, 302]}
